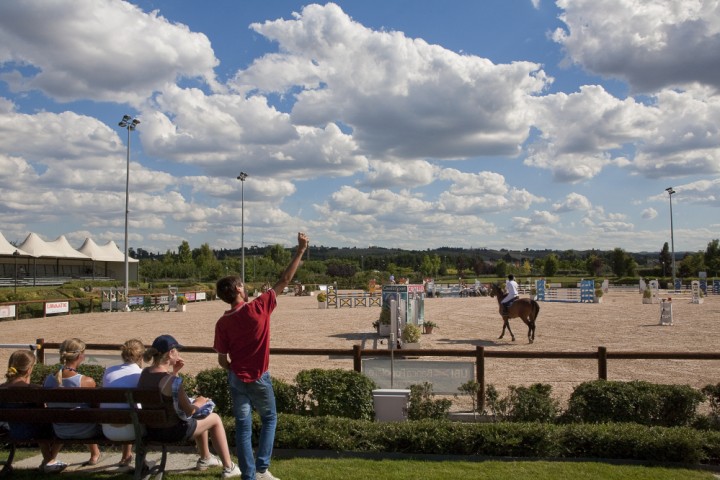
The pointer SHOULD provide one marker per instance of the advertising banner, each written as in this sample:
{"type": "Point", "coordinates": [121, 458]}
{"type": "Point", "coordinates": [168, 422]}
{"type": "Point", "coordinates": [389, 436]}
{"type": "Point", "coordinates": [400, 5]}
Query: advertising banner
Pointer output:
{"type": "Point", "coordinates": [57, 307]}
{"type": "Point", "coordinates": [7, 311]}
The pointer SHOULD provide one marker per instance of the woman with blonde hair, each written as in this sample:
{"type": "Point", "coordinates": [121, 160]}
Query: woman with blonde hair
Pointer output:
{"type": "Point", "coordinates": [72, 354]}
{"type": "Point", "coordinates": [125, 375]}
{"type": "Point", "coordinates": [163, 375]}
{"type": "Point", "coordinates": [19, 371]}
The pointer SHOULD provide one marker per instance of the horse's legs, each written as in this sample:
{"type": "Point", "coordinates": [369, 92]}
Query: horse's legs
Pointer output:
{"type": "Point", "coordinates": [506, 324]}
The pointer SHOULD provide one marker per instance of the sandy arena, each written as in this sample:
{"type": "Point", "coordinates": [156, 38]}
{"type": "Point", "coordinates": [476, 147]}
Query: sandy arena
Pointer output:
{"type": "Point", "coordinates": [620, 323]}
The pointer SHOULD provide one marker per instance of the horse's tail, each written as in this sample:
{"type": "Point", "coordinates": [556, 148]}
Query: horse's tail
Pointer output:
{"type": "Point", "coordinates": [536, 309]}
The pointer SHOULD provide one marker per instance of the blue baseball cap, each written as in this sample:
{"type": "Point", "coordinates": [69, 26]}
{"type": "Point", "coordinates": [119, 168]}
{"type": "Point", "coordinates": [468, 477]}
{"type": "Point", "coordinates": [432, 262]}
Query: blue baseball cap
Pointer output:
{"type": "Point", "coordinates": [165, 343]}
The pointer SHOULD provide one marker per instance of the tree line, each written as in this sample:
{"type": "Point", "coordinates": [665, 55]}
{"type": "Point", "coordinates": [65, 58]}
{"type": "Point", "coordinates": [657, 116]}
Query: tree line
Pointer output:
{"type": "Point", "coordinates": [328, 264]}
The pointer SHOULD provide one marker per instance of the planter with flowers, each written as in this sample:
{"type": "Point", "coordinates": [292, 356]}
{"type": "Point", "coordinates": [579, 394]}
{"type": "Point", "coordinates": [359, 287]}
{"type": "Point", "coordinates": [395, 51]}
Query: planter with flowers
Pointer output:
{"type": "Point", "coordinates": [382, 324]}
{"type": "Point", "coordinates": [598, 295]}
{"type": "Point", "coordinates": [428, 327]}
{"type": "Point", "coordinates": [181, 303]}
{"type": "Point", "coordinates": [410, 337]}
{"type": "Point", "coordinates": [322, 300]}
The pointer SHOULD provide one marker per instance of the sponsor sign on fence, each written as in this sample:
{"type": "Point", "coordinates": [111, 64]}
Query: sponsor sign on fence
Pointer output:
{"type": "Point", "coordinates": [7, 311]}
{"type": "Point", "coordinates": [445, 377]}
{"type": "Point", "coordinates": [57, 307]}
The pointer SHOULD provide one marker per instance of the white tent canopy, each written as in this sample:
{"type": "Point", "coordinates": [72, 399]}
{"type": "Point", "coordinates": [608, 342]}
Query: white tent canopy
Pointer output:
{"type": "Point", "coordinates": [38, 259]}
{"type": "Point", "coordinates": [6, 248]}
{"type": "Point", "coordinates": [105, 253]}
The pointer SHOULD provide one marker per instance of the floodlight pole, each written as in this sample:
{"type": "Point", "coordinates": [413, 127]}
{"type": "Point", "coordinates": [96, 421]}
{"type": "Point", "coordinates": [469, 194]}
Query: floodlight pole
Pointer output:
{"type": "Point", "coordinates": [672, 236]}
{"type": "Point", "coordinates": [16, 254]}
{"type": "Point", "coordinates": [242, 178]}
{"type": "Point", "coordinates": [130, 124]}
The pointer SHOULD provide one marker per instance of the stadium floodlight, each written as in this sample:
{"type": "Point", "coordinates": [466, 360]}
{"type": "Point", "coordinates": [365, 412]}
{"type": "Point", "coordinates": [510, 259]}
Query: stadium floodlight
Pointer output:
{"type": "Point", "coordinates": [671, 191]}
{"type": "Point", "coordinates": [242, 177]}
{"type": "Point", "coordinates": [130, 124]}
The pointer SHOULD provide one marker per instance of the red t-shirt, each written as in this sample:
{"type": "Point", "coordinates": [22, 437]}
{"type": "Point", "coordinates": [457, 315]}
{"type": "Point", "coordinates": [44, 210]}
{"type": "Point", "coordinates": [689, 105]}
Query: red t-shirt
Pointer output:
{"type": "Point", "coordinates": [243, 333]}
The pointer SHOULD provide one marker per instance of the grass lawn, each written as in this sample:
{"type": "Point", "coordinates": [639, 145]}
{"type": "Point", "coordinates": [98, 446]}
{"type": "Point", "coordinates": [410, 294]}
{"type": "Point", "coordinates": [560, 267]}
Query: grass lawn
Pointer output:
{"type": "Point", "coordinates": [350, 469]}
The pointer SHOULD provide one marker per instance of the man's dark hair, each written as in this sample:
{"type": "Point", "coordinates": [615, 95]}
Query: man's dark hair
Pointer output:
{"type": "Point", "coordinates": [226, 288]}
{"type": "Point", "coordinates": [511, 277]}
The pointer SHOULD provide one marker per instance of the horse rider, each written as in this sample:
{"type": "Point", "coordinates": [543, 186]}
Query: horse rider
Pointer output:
{"type": "Point", "coordinates": [511, 289]}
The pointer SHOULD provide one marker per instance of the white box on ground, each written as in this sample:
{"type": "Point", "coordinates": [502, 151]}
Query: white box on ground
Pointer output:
{"type": "Point", "coordinates": [391, 404]}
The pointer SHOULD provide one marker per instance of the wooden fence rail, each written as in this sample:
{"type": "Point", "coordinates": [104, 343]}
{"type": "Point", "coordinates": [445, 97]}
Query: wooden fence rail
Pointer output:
{"type": "Point", "coordinates": [602, 355]}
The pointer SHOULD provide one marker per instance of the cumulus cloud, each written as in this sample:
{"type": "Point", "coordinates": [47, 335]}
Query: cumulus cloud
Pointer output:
{"type": "Point", "coordinates": [579, 130]}
{"type": "Point", "coordinates": [573, 202]}
{"type": "Point", "coordinates": [400, 96]}
{"type": "Point", "coordinates": [651, 45]}
{"type": "Point", "coordinates": [97, 50]}
{"type": "Point", "coordinates": [649, 213]}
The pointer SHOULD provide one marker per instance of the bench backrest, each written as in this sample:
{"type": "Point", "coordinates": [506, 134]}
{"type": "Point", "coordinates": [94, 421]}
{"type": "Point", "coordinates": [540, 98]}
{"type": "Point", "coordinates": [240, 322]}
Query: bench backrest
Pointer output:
{"type": "Point", "coordinates": [155, 409]}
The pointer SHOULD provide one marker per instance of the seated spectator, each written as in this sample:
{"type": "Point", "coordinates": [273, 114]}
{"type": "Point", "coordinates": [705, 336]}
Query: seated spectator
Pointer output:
{"type": "Point", "coordinates": [125, 375]}
{"type": "Point", "coordinates": [72, 354]}
{"type": "Point", "coordinates": [163, 375]}
{"type": "Point", "coordinates": [19, 371]}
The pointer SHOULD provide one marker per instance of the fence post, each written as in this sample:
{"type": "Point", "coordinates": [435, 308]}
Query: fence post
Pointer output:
{"type": "Point", "coordinates": [40, 342]}
{"type": "Point", "coordinates": [357, 358]}
{"type": "Point", "coordinates": [480, 376]}
{"type": "Point", "coordinates": [602, 363]}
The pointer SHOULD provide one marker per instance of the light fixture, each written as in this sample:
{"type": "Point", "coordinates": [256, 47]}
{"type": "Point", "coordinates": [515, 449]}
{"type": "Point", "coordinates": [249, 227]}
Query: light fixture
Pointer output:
{"type": "Point", "coordinates": [671, 191]}
{"type": "Point", "coordinates": [242, 178]}
{"type": "Point", "coordinates": [130, 124]}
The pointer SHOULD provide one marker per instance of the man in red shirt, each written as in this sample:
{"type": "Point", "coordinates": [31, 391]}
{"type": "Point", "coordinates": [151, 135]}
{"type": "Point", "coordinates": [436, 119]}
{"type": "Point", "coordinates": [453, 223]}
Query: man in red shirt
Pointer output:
{"type": "Point", "coordinates": [242, 341]}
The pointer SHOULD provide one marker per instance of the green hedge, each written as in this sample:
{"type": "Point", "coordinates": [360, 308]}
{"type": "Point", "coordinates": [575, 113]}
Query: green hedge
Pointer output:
{"type": "Point", "coordinates": [638, 402]}
{"type": "Point", "coordinates": [533, 440]}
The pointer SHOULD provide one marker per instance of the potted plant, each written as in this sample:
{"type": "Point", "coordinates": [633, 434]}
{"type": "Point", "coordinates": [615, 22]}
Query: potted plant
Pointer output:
{"type": "Point", "coordinates": [382, 324]}
{"type": "Point", "coordinates": [428, 326]}
{"type": "Point", "coordinates": [598, 295]}
{"type": "Point", "coordinates": [322, 299]}
{"type": "Point", "coordinates": [647, 296]}
{"type": "Point", "coordinates": [410, 337]}
{"type": "Point", "coordinates": [181, 303]}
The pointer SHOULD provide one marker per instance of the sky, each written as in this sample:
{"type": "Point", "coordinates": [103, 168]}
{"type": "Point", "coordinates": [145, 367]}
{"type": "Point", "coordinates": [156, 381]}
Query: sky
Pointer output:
{"type": "Point", "coordinates": [411, 124]}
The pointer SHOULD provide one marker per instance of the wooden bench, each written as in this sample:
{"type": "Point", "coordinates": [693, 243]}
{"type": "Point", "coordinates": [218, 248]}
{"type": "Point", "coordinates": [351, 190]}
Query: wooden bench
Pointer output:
{"type": "Point", "coordinates": [156, 411]}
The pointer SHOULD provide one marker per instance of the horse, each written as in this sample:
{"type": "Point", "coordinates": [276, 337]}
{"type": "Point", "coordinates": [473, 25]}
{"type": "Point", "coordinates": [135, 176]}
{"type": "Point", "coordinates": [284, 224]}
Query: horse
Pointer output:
{"type": "Point", "coordinates": [524, 308]}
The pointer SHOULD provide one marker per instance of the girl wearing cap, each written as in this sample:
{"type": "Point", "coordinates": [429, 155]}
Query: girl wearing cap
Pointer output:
{"type": "Point", "coordinates": [165, 364]}
{"type": "Point", "coordinates": [72, 354]}
{"type": "Point", "coordinates": [20, 367]}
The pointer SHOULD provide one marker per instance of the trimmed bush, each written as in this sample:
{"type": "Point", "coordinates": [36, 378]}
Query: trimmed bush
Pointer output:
{"type": "Point", "coordinates": [337, 392]}
{"type": "Point", "coordinates": [528, 440]}
{"type": "Point", "coordinates": [423, 405]}
{"type": "Point", "coordinates": [41, 371]}
{"type": "Point", "coordinates": [532, 404]}
{"type": "Point", "coordinates": [213, 383]}
{"type": "Point", "coordinates": [603, 401]}
{"type": "Point", "coordinates": [287, 398]}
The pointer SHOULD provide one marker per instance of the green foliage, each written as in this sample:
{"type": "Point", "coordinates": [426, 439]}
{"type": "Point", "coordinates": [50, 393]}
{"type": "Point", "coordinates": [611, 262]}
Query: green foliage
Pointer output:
{"type": "Point", "coordinates": [384, 315]}
{"type": "Point", "coordinates": [213, 383]}
{"type": "Point", "coordinates": [639, 402]}
{"type": "Point", "coordinates": [411, 333]}
{"type": "Point", "coordinates": [470, 388]}
{"type": "Point", "coordinates": [41, 371]}
{"type": "Point", "coordinates": [551, 266]}
{"type": "Point", "coordinates": [423, 405]}
{"type": "Point", "coordinates": [189, 384]}
{"type": "Point", "coordinates": [497, 406]}
{"type": "Point", "coordinates": [528, 440]}
{"type": "Point", "coordinates": [287, 398]}
{"type": "Point", "coordinates": [321, 297]}
{"type": "Point", "coordinates": [337, 392]}
{"type": "Point", "coordinates": [532, 404]}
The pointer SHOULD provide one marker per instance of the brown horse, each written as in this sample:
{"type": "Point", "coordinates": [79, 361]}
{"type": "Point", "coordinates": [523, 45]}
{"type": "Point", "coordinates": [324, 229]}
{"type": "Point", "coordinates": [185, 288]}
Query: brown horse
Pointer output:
{"type": "Point", "coordinates": [524, 308]}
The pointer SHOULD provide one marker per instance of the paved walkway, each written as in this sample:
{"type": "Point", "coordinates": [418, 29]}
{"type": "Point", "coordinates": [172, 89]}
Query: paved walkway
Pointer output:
{"type": "Point", "coordinates": [177, 461]}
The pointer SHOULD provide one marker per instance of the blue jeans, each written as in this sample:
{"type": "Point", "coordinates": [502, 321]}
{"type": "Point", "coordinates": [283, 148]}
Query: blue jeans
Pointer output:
{"type": "Point", "coordinates": [246, 396]}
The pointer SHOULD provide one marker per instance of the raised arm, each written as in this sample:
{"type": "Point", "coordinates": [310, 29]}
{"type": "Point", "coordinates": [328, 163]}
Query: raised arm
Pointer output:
{"type": "Point", "coordinates": [289, 272]}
